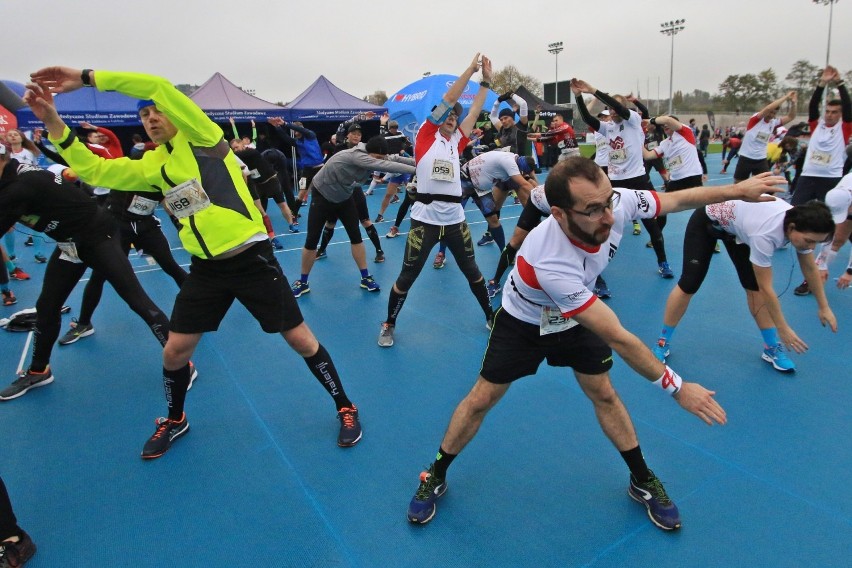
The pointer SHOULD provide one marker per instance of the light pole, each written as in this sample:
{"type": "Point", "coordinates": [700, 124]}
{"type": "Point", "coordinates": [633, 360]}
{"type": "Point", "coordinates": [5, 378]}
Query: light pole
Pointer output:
{"type": "Point", "coordinates": [830, 16]}
{"type": "Point", "coordinates": [555, 49]}
{"type": "Point", "coordinates": [671, 29]}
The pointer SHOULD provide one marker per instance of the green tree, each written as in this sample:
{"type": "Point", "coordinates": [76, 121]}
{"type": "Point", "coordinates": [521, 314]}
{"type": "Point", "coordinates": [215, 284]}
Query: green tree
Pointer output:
{"type": "Point", "coordinates": [510, 78]}
{"type": "Point", "coordinates": [768, 86]}
{"type": "Point", "coordinates": [802, 76]}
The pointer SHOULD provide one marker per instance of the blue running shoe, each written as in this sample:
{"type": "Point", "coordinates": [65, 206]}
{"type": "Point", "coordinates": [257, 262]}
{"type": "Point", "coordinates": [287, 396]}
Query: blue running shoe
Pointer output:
{"type": "Point", "coordinates": [321, 254]}
{"type": "Point", "coordinates": [486, 239]}
{"type": "Point", "coordinates": [661, 510]}
{"type": "Point", "coordinates": [294, 227]}
{"type": "Point", "coordinates": [369, 284]}
{"type": "Point", "coordinates": [665, 271]}
{"type": "Point", "coordinates": [422, 507]}
{"type": "Point", "coordinates": [661, 350]}
{"type": "Point", "coordinates": [602, 292]}
{"type": "Point", "coordinates": [493, 288]}
{"type": "Point", "coordinates": [276, 244]}
{"type": "Point", "coordinates": [776, 356]}
{"type": "Point", "coordinates": [298, 287]}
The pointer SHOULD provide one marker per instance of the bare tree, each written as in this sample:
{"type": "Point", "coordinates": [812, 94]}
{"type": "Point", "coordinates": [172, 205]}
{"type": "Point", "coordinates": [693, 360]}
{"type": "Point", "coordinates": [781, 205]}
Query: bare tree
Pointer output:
{"type": "Point", "coordinates": [510, 78]}
{"type": "Point", "coordinates": [377, 98]}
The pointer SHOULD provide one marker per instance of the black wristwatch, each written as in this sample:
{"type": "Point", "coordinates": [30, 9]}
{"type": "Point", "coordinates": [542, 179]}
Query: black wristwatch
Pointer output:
{"type": "Point", "coordinates": [84, 76]}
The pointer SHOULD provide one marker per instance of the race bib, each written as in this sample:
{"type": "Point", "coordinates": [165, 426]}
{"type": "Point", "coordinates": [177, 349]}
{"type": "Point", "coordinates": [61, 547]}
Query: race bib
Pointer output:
{"type": "Point", "coordinates": [618, 156]}
{"type": "Point", "coordinates": [142, 205]}
{"type": "Point", "coordinates": [651, 145]}
{"type": "Point", "coordinates": [69, 252]}
{"type": "Point", "coordinates": [674, 163]}
{"type": "Point", "coordinates": [560, 144]}
{"type": "Point", "coordinates": [822, 158]}
{"type": "Point", "coordinates": [762, 137]}
{"type": "Point", "coordinates": [186, 199]}
{"type": "Point", "coordinates": [552, 321]}
{"type": "Point", "coordinates": [254, 174]}
{"type": "Point", "coordinates": [442, 170]}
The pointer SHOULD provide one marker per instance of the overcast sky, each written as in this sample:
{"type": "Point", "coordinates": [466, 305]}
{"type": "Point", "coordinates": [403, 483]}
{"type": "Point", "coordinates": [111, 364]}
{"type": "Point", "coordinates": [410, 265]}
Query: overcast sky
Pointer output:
{"type": "Point", "coordinates": [279, 48]}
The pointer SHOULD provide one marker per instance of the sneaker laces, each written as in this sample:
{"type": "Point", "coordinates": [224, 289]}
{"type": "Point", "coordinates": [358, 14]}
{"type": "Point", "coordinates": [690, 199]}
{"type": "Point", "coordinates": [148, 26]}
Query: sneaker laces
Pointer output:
{"type": "Point", "coordinates": [655, 487]}
{"type": "Point", "coordinates": [347, 417]}
{"type": "Point", "coordinates": [162, 426]}
{"type": "Point", "coordinates": [428, 483]}
{"type": "Point", "coordinates": [386, 329]}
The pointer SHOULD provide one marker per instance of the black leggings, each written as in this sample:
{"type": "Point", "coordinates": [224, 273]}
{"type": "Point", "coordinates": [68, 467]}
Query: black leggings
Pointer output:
{"type": "Point", "coordinates": [8, 522]}
{"type": "Point", "coordinates": [699, 242]}
{"type": "Point", "coordinates": [322, 210]}
{"type": "Point", "coordinates": [677, 185]}
{"type": "Point", "coordinates": [61, 276]}
{"type": "Point", "coordinates": [422, 238]}
{"type": "Point", "coordinates": [147, 236]}
{"type": "Point", "coordinates": [643, 182]}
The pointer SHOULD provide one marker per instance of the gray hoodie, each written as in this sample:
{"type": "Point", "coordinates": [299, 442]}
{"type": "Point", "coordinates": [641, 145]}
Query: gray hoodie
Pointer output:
{"type": "Point", "coordinates": [348, 169]}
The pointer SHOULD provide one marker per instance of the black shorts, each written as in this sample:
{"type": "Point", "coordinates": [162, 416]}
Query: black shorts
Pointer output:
{"type": "Point", "coordinates": [270, 189]}
{"type": "Point", "coordinates": [685, 183]}
{"type": "Point", "coordinates": [747, 167]}
{"type": "Point", "coordinates": [253, 277]}
{"type": "Point", "coordinates": [642, 182]}
{"type": "Point", "coordinates": [516, 349]}
{"type": "Point", "coordinates": [530, 217]}
{"type": "Point", "coordinates": [809, 187]}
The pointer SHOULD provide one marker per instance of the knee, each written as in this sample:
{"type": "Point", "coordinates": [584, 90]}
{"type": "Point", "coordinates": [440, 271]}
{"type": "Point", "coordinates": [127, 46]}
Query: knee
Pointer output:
{"type": "Point", "coordinates": [603, 394]}
{"type": "Point", "coordinates": [301, 340]}
{"type": "Point", "coordinates": [175, 355]}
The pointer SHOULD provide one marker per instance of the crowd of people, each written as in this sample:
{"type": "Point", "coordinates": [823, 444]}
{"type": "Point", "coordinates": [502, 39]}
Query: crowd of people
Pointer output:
{"type": "Point", "coordinates": [96, 203]}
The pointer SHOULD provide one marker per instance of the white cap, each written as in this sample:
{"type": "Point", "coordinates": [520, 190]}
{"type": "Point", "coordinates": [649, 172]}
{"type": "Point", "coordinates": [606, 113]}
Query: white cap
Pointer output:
{"type": "Point", "coordinates": [839, 200]}
{"type": "Point", "coordinates": [604, 112]}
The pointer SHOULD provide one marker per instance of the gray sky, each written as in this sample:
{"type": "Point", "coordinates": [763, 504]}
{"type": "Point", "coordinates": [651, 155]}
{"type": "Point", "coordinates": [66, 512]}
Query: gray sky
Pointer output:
{"type": "Point", "coordinates": [279, 47]}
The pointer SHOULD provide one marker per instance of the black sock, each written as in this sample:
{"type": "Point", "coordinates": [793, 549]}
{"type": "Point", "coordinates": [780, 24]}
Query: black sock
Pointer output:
{"type": "Point", "coordinates": [442, 463]}
{"type": "Point", "coordinates": [327, 233]}
{"type": "Point", "coordinates": [175, 384]}
{"type": "Point", "coordinates": [636, 462]}
{"type": "Point", "coordinates": [506, 257]}
{"type": "Point", "coordinates": [395, 302]}
{"type": "Point", "coordinates": [374, 238]}
{"type": "Point", "coordinates": [323, 369]}
{"type": "Point", "coordinates": [481, 294]}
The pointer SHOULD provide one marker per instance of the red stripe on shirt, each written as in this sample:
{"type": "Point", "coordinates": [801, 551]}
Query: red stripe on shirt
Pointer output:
{"type": "Point", "coordinates": [527, 273]}
{"type": "Point", "coordinates": [581, 308]}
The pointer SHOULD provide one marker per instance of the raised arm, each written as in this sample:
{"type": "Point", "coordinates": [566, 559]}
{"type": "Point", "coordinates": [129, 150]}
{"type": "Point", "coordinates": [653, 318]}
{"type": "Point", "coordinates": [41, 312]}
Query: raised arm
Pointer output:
{"type": "Point", "coordinates": [752, 189]}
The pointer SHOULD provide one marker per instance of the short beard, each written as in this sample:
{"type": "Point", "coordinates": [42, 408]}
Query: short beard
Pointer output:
{"type": "Point", "coordinates": [592, 239]}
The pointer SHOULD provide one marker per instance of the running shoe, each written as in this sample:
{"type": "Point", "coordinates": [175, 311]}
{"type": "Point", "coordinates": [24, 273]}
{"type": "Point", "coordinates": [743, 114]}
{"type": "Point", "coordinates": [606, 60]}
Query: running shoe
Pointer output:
{"type": "Point", "coordinates": [661, 350]}
{"type": "Point", "coordinates": [276, 244]}
{"type": "Point", "coordinates": [9, 298]}
{"type": "Point", "coordinates": [661, 510]}
{"type": "Point", "coordinates": [379, 218]}
{"type": "Point", "coordinates": [370, 285]}
{"type": "Point", "coordinates": [386, 335]}
{"type": "Point", "coordinates": [321, 254]}
{"type": "Point", "coordinates": [350, 427]}
{"type": "Point", "coordinates": [489, 322]}
{"type": "Point", "coordinates": [486, 239]}
{"type": "Point", "coordinates": [18, 274]}
{"type": "Point", "coordinates": [166, 433]}
{"type": "Point", "coordinates": [40, 258]}
{"type": "Point", "coordinates": [294, 227]}
{"type": "Point", "coordinates": [380, 257]}
{"type": "Point", "coordinates": [77, 332]}
{"type": "Point", "coordinates": [718, 248]}
{"type": "Point", "coordinates": [368, 192]}
{"type": "Point", "coordinates": [393, 233]}
{"type": "Point", "coordinates": [193, 374]}
{"type": "Point", "coordinates": [802, 289]}
{"type": "Point", "coordinates": [665, 271]}
{"type": "Point", "coordinates": [13, 554]}
{"type": "Point", "coordinates": [422, 508]}
{"type": "Point", "coordinates": [778, 358]}
{"type": "Point", "coordinates": [29, 242]}
{"type": "Point", "coordinates": [602, 291]}
{"type": "Point", "coordinates": [637, 228]}
{"type": "Point", "coordinates": [298, 287]}
{"type": "Point", "coordinates": [26, 381]}
{"type": "Point", "coordinates": [649, 245]}
{"type": "Point", "coordinates": [394, 199]}
{"type": "Point", "coordinates": [440, 260]}
{"type": "Point", "coordinates": [493, 288]}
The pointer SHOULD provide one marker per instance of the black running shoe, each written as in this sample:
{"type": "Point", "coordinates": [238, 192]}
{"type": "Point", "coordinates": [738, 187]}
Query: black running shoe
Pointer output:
{"type": "Point", "coordinates": [661, 510]}
{"type": "Point", "coordinates": [167, 432]}
{"type": "Point", "coordinates": [14, 554]}
{"type": "Point", "coordinates": [350, 427]}
{"type": "Point", "coordinates": [26, 381]}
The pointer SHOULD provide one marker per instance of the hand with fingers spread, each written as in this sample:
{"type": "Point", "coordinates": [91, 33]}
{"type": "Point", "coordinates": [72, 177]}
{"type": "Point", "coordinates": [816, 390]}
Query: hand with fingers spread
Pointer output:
{"type": "Point", "coordinates": [59, 79]}
{"type": "Point", "coordinates": [755, 188]}
{"type": "Point", "coordinates": [699, 401]}
{"type": "Point", "coordinates": [791, 340]}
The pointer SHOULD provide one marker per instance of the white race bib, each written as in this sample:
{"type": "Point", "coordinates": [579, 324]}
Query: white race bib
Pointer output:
{"type": "Point", "coordinates": [618, 156]}
{"type": "Point", "coordinates": [186, 199]}
{"type": "Point", "coordinates": [822, 158]}
{"type": "Point", "coordinates": [552, 321]}
{"type": "Point", "coordinates": [762, 137]}
{"type": "Point", "coordinates": [69, 252]}
{"type": "Point", "coordinates": [674, 163]}
{"type": "Point", "coordinates": [442, 170]}
{"type": "Point", "coordinates": [142, 205]}
{"type": "Point", "coordinates": [651, 145]}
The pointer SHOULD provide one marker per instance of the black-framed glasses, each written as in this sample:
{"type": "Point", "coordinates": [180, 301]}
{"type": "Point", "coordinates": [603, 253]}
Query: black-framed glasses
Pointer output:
{"type": "Point", "coordinates": [597, 212]}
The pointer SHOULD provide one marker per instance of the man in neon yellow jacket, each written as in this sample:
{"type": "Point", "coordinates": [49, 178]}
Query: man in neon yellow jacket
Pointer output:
{"type": "Point", "coordinates": [196, 175]}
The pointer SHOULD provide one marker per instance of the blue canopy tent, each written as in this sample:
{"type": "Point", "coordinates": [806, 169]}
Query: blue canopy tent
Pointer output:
{"type": "Point", "coordinates": [412, 104]}
{"type": "Point", "coordinates": [323, 101]}
{"type": "Point", "coordinates": [221, 100]}
{"type": "Point", "coordinates": [84, 105]}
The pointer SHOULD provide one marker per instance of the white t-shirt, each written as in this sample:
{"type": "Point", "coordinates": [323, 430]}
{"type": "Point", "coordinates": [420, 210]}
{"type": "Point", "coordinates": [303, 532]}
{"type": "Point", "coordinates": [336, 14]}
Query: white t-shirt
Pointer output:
{"type": "Point", "coordinates": [437, 163]}
{"type": "Point", "coordinates": [601, 149]}
{"type": "Point", "coordinates": [681, 154]}
{"type": "Point", "coordinates": [626, 140]}
{"type": "Point", "coordinates": [826, 150]}
{"type": "Point", "coordinates": [758, 225]}
{"type": "Point", "coordinates": [758, 133]}
{"type": "Point", "coordinates": [24, 157]}
{"type": "Point", "coordinates": [487, 169]}
{"type": "Point", "coordinates": [839, 199]}
{"type": "Point", "coordinates": [554, 274]}
{"type": "Point", "coordinates": [539, 199]}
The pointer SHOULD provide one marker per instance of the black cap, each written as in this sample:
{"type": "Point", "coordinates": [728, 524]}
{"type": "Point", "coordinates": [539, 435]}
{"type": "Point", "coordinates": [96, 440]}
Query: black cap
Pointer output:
{"type": "Point", "coordinates": [353, 127]}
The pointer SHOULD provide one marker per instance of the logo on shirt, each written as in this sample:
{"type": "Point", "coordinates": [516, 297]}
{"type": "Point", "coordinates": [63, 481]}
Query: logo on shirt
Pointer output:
{"type": "Point", "coordinates": [617, 143]}
{"type": "Point", "coordinates": [574, 296]}
{"type": "Point", "coordinates": [644, 204]}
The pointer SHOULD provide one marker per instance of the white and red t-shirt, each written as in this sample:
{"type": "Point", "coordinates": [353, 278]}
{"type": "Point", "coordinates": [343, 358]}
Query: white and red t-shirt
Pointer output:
{"type": "Point", "coordinates": [626, 140]}
{"type": "Point", "coordinates": [681, 155]}
{"type": "Point", "coordinates": [758, 133]}
{"type": "Point", "coordinates": [758, 225]}
{"type": "Point", "coordinates": [539, 199]}
{"type": "Point", "coordinates": [437, 163]}
{"type": "Point", "coordinates": [554, 275]}
{"type": "Point", "coordinates": [563, 138]}
{"type": "Point", "coordinates": [826, 149]}
{"type": "Point", "coordinates": [601, 149]}
{"type": "Point", "coordinates": [487, 169]}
